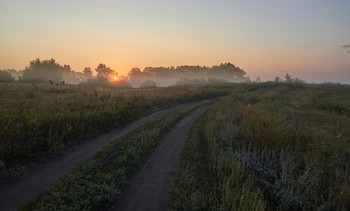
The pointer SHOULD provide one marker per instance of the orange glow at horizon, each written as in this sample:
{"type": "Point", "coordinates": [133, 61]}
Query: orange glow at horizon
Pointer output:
{"type": "Point", "coordinates": [271, 41]}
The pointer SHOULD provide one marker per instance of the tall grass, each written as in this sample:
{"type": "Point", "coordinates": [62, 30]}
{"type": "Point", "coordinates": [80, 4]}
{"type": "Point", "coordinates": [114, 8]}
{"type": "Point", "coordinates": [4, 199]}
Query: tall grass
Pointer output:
{"type": "Point", "coordinates": [208, 179]}
{"type": "Point", "coordinates": [291, 140]}
{"type": "Point", "coordinates": [296, 150]}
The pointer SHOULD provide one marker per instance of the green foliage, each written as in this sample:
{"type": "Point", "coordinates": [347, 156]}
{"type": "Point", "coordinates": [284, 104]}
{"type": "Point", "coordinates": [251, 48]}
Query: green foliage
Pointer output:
{"type": "Point", "coordinates": [99, 181]}
{"type": "Point", "coordinates": [6, 77]}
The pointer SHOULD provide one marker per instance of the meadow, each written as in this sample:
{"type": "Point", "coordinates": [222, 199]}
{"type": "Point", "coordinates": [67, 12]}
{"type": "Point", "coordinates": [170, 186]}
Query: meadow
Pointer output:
{"type": "Point", "coordinates": [40, 120]}
{"type": "Point", "coordinates": [261, 146]}
{"type": "Point", "coordinates": [269, 146]}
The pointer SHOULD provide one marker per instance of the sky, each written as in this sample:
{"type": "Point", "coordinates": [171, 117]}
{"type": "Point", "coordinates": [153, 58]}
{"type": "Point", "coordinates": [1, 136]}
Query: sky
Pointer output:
{"type": "Point", "coordinates": [308, 39]}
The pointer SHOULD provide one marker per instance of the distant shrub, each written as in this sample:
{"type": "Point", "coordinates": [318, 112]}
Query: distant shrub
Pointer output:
{"type": "Point", "coordinates": [186, 81]}
{"type": "Point", "coordinates": [216, 81]}
{"type": "Point", "coordinates": [122, 84]}
{"type": "Point", "coordinates": [148, 84]}
{"type": "Point", "coordinates": [195, 81]}
{"type": "Point", "coordinates": [6, 77]}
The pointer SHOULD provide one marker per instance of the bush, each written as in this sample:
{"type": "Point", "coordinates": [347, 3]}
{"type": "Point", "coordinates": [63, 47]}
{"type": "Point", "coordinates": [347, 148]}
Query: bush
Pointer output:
{"type": "Point", "coordinates": [6, 77]}
{"type": "Point", "coordinates": [148, 84]}
{"type": "Point", "coordinates": [122, 84]}
{"type": "Point", "coordinates": [105, 83]}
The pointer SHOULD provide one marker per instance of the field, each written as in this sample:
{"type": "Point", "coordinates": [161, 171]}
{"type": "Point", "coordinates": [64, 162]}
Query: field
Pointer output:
{"type": "Point", "coordinates": [99, 182]}
{"type": "Point", "coordinates": [269, 146]}
{"type": "Point", "coordinates": [261, 146]}
{"type": "Point", "coordinates": [39, 121]}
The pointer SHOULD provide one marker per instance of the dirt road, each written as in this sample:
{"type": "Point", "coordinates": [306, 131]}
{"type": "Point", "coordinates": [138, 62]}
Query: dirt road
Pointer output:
{"type": "Point", "coordinates": [149, 188]}
{"type": "Point", "coordinates": [16, 195]}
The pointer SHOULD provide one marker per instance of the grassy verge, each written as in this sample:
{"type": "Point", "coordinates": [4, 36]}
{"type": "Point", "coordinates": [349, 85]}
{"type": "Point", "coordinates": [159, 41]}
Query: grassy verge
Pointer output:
{"type": "Point", "coordinates": [99, 181]}
{"type": "Point", "coordinates": [210, 180]}
{"type": "Point", "coordinates": [191, 186]}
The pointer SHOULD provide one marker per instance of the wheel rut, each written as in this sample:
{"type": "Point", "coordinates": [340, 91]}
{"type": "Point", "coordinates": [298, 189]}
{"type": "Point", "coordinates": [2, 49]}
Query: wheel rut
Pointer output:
{"type": "Point", "coordinates": [15, 195]}
{"type": "Point", "coordinates": [150, 186]}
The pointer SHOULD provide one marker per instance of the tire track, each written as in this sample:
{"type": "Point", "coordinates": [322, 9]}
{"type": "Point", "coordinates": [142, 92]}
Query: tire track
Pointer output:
{"type": "Point", "coordinates": [149, 188]}
{"type": "Point", "coordinates": [18, 194]}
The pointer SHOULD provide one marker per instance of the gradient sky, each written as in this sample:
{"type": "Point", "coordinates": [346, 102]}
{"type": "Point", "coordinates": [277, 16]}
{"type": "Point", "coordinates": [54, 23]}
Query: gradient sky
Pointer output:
{"type": "Point", "coordinates": [309, 39]}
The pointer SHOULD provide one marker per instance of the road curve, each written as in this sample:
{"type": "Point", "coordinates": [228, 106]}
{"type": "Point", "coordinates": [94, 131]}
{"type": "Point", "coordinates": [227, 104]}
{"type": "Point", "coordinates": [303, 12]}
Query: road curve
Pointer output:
{"type": "Point", "coordinates": [18, 194]}
{"type": "Point", "coordinates": [149, 188]}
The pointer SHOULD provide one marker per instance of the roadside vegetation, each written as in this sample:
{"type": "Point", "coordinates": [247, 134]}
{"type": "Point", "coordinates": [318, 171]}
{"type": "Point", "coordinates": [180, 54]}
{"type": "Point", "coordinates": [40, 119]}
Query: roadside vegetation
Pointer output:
{"type": "Point", "coordinates": [269, 146]}
{"type": "Point", "coordinates": [41, 120]}
{"type": "Point", "coordinates": [99, 182]}
{"type": "Point", "coordinates": [208, 179]}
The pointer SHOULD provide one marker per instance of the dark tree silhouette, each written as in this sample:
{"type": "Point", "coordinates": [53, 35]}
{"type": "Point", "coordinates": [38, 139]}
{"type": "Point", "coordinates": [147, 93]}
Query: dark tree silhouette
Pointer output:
{"type": "Point", "coordinates": [288, 78]}
{"type": "Point", "coordinates": [87, 73]}
{"type": "Point", "coordinates": [104, 72]}
{"type": "Point", "coordinates": [134, 72]}
{"type": "Point", "coordinates": [148, 84]}
{"type": "Point", "coordinates": [277, 80]}
{"type": "Point", "coordinates": [167, 75]}
{"type": "Point", "coordinates": [6, 77]}
{"type": "Point", "coordinates": [66, 69]}
{"type": "Point", "coordinates": [70, 76]}
{"type": "Point", "coordinates": [42, 71]}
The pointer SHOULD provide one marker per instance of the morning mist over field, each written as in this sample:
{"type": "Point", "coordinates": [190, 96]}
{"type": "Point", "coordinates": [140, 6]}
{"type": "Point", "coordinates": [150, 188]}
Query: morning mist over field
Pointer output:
{"type": "Point", "coordinates": [306, 39]}
{"type": "Point", "coordinates": [174, 105]}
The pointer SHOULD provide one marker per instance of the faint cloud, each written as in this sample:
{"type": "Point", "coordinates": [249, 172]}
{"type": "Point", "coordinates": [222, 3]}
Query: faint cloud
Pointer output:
{"type": "Point", "coordinates": [346, 48]}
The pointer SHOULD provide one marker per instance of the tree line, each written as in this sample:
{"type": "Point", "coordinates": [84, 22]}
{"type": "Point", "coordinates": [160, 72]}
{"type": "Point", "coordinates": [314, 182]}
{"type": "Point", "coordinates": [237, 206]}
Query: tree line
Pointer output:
{"type": "Point", "coordinates": [225, 72]}
{"type": "Point", "coordinates": [49, 70]}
